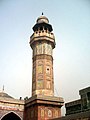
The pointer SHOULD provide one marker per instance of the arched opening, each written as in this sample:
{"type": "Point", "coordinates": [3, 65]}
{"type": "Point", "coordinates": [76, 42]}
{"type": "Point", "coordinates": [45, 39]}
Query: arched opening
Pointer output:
{"type": "Point", "coordinates": [11, 116]}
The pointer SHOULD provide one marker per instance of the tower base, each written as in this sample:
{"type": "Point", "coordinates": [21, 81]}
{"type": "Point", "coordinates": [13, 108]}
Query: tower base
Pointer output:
{"type": "Point", "coordinates": [43, 107]}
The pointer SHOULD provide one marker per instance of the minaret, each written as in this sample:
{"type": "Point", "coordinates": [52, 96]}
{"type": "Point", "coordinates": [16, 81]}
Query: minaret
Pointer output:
{"type": "Point", "coordinates": [42, 43]}
{"type": "Point", "coordinates": [43, 104]}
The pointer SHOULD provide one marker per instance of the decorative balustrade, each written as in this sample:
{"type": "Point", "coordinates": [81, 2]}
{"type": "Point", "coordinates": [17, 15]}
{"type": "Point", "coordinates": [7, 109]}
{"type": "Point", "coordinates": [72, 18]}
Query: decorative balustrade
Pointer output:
{"type": "Point", "coordinates": [42, 34]}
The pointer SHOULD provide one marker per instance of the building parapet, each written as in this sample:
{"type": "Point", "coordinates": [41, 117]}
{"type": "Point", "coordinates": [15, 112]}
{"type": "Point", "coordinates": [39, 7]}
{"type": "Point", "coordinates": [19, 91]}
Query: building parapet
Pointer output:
{"type": "Point", "coordinates": [84, 91]}
{"type": "Point", "coordinates": [73, 103]}
{"type": "Point", "coordinates": [42, 33]}
{"type": "Point", "coordinates": [55, 100]}
{"type": "Point", "coordinates": [10, 100]}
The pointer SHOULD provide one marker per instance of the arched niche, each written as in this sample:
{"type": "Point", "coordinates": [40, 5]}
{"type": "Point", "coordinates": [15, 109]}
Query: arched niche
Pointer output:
{"type": "Point", "coordinates": [11, 116]}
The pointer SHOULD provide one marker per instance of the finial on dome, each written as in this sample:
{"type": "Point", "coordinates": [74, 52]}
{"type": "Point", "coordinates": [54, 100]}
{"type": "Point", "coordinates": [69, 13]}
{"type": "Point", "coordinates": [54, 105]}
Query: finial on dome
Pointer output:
{"type": "Point", "coordinates": [42, 13]}
{"type": "Point", "coordinates": [3, 88]}
{"type": "Point", "coordinates": [42, 19]}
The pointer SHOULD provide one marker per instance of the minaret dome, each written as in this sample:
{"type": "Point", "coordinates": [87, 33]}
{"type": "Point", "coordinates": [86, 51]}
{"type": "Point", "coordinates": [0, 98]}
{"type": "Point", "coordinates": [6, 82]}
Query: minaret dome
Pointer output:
{"type": "Point", "coordinates": [42, 19]}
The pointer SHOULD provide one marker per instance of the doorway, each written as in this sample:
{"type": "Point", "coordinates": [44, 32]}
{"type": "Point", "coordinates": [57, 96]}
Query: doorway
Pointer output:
{"type": "Point", "coordinates": [11, 116]}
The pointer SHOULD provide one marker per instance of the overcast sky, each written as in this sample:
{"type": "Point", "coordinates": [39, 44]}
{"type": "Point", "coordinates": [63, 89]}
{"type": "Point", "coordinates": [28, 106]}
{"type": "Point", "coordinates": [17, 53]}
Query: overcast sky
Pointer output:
{"type": "Point", "coordinates": [70, 20]}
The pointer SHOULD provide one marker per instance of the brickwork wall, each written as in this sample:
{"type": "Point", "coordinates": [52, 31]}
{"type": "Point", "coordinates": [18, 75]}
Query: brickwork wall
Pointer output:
{"type": "Point", "coordinates": [41, 112]}
{"type": "Point", "coordinates": [8, 105]}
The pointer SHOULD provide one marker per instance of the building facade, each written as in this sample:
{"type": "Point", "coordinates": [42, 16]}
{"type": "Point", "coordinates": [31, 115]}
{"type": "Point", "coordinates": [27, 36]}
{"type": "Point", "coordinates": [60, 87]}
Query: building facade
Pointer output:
{"type": "Point", "coordinates": [81, 105]}
{"type": "Point", "coordinates": [10, 108]}
{"type": "Point", "coordinates": [78, 109]}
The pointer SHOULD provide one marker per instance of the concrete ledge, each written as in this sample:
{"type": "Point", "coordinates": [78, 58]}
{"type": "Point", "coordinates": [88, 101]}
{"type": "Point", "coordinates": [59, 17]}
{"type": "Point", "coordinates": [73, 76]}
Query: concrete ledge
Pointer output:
{"type": "Point", "coordinates": [41, 99]}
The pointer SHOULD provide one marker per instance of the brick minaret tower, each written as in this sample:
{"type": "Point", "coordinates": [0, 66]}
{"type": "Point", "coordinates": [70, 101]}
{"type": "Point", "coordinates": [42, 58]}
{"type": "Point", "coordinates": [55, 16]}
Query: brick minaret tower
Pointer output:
{"type": "Point", "coordinates": [42, 43]}
{"type": "Point", "coordinates": [43, 104]}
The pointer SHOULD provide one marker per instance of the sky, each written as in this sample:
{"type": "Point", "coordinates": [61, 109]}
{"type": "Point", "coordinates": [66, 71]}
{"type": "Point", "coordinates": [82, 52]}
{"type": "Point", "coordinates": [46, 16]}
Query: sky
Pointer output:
{"type": "Point", "coordinates": [70, 20]}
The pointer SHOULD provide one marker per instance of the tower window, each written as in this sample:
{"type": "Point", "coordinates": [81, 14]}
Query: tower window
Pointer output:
{"type": "Point", "coordinates": [47, 68]}
{"type": "Point", "coordinates": [45, 28]}
{"type": "Point", "coordinates": [36, 29]}
{"type": "Point", "coordinates": [41, 28]}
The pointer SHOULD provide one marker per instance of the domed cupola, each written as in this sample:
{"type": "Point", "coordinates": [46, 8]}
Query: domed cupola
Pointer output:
{"type": "Point", "coordinates": [5, 95]}
{"type": "Point", "coordinates": [42, 23]}
{"type": "Point", "coordinates": [42, 32]}
{"type": "Point", "coordinates": [42, 19]}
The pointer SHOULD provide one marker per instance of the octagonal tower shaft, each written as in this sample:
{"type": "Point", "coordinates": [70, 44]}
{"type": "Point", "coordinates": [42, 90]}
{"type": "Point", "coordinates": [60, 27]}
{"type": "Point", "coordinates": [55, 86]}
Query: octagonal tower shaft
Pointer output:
{"type": "Point", "coordinates": [42, 42]}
